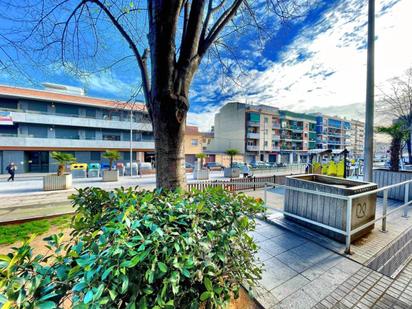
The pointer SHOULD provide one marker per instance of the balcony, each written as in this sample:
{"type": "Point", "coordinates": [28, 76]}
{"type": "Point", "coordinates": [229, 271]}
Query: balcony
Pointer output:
{"type": "Point", "coordinates": [30, 142]}
{"type": "Point", "coordinates": [252, 148]}
{"type": "Point", "coordinates": [253, 124]}
{"type": "Point", "coordinates": [275, 138]}
{"type": "Point", "coordinates": [275, 148]}
{"type": "Point", "coordinates": [253, 135]}
{"type": "Point", "coordinates": [60, 120]}
{"type": "Point", "coordinates": [276, 126]}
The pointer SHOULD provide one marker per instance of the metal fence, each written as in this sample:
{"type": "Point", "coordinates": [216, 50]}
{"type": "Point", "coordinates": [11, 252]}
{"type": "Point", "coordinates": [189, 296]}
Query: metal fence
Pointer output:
{"type": "Point", "coordinates": [348, 232]}
{"type": "Point", "coordinates": [272, 181]}
{"type": "Point", "coordinates": [234, 184]}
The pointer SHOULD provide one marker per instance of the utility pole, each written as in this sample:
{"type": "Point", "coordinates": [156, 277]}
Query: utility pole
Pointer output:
{"type": "Point", "coordinates": [370, 93]}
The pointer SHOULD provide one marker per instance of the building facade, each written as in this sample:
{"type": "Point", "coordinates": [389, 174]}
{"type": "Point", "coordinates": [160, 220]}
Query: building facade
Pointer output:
{"type": "Point", "coordinates": [357, 138]}
{"type": "Point", "coordinates": [34, 123]}
{"type": "Point", "coordinates": [298, 136]}
{"type": "Point", "coordinates": [332, 132]}
{"type": "Point", "coordinates": [264, 133]}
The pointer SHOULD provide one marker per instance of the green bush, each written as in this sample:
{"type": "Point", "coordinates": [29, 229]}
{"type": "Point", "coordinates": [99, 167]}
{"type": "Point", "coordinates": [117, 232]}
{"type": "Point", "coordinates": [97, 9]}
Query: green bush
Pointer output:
{"type": "Point", "coordinates": [144, 249]}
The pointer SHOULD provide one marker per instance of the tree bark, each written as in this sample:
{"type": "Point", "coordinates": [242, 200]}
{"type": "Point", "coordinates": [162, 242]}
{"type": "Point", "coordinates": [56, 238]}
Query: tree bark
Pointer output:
{"type": "Point", "coordinates": [395, 152]}
{"type": "Point", "coordinates": [408, 144]}
{"type": "Point", "coordinates": [169, 124]}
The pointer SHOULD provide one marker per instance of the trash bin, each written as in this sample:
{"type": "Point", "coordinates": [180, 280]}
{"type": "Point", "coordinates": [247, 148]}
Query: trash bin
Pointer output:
{"type": "Point", "coordinates": [120, 168]}
{"type": "Point", "coordinates": [78, 170]}
{"type": "Point", "coordinates": [134, 169]}
{"type": "Point", "coordinates": [94, 170]}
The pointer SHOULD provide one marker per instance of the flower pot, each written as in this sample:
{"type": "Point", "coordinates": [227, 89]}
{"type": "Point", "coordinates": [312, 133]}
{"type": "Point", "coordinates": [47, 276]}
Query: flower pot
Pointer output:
{"type": "Point", "coordinates": [384, 177]}
{"type": "Point", "coordinates": [53, 182]}
{"type": "Point", "coordinates": [231, 172]}
{"type": "Point", "coordinates": [109, 176]}
{"type": "Point", "coordinates": [202, 174]}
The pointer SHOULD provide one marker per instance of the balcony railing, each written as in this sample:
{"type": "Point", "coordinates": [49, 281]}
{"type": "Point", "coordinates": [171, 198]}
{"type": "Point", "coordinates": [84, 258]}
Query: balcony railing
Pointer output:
{"type": "Point", "coordinates": [253, 124]}
{"type": "Point", "coordinates": [275, 148]}
{"type": "Point", "coordinates": [252, 148]}
{"type": "Point", "coordinates": [253, 135]}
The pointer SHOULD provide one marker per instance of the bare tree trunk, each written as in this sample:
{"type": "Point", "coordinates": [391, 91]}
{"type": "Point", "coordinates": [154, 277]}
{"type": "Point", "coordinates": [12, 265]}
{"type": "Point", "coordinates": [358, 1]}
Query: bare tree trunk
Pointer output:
{"type": "Point", "coordinates": [395, 152]}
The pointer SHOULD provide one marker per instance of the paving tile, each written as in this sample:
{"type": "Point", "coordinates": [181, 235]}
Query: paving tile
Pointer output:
{"type": "Point", "coordinates": [270, 231]}
{"type": "Point", "coordinates": [289, 287]}
{"type": "Point", "coordinates": [275, 273]}
{"type": "Point", "coordinates": [321, 267]}
{"type": "Point", "coordinates": [296, 261]}
{"type": "Point", "coordinates": [298, 300]}
{"type": "Point", "coordinates": [319, 288]}
{"type": "Point", "coordinates": [265, 298]}
{"type": "Point", "coordinates": [272, 247]}
{"type": "Point", "coordinates": [348, 266]}
{"type": "Point", "coordinates": [263, 255]}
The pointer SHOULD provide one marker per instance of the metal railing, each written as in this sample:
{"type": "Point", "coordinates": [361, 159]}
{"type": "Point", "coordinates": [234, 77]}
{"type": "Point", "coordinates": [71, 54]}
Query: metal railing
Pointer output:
{"type": "Point", "coordinates": [348, 231]}
{"type": "Point", "coordinates": [238, 184]}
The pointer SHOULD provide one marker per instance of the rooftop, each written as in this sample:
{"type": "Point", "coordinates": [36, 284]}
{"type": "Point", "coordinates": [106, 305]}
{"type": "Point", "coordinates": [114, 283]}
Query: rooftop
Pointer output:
{"type": "Point", "coordinates": [43, 95]}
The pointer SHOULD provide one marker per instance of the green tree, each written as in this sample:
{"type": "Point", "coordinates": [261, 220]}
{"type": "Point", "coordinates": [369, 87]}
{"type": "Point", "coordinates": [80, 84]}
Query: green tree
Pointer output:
{"type": "Point", "coordinates": [111, 155]}
{"type": "Point", "coordinates": [167, 40]}
{"type": "Point", "coordinates": [63, 159]}
{"type": "Point", "coordinates": [399, 133]}
{"type": "Point", "coordinates": [201, 156]}
{"type": "Point", "coordinates": [232, 152]}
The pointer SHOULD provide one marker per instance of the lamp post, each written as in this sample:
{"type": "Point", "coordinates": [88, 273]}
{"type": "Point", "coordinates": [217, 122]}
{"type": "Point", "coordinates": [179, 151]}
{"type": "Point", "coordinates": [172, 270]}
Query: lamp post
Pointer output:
{"type": "Point", "coordinates": [370, 84]}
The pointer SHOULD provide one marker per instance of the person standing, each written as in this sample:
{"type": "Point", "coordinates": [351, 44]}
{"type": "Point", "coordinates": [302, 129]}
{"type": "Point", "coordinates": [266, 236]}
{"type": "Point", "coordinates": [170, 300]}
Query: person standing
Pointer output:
{"type": "Point", "coordinates": [11, 169]}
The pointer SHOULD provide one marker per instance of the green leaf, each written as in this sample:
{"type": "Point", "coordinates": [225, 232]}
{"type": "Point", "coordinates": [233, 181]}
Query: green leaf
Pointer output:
{"type": "Point", "coordinates": [208, 284]}
{"type": "Point", "coordinates": [125, 284]}
{"type": "Point", "coordinates": [205, 295]}
{"type": "Point", "coordinates": [162, 267]}
{"type": "Point", "coordinates": [88, 297]}
{"type": "Point", "coordinates": [46, 305]}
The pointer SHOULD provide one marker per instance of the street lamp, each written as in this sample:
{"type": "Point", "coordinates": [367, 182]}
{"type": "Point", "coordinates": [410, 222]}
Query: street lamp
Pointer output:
{"type": "Point", "coordinates": [370, 84]}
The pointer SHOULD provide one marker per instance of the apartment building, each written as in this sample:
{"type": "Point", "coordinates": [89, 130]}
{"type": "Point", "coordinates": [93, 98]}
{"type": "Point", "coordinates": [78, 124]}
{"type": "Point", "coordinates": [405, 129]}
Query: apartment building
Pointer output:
{"type": "Point", "coordinates": [332, 132]}
{"type": "Point", "coordinates": [263, 133]}
{"type": "Point", "coordinates": [357, 138]}
{"type": "Point", "coordinates": [297, 136]}
{"type": "Point", "coordinates": [34, 123]}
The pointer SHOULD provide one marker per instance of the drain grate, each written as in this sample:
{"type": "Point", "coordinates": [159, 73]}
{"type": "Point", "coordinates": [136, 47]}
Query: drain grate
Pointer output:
{"type": "Point", "coordinates": [393, 257]}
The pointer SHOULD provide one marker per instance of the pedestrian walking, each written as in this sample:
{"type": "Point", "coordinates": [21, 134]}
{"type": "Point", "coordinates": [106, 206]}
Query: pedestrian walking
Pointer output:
{"type": "Point", "coordinates": [139, 168]}
{"type": "Point", "coordinates": [246, 171]}
{"type": "Point", "coordinates": [11, 169]}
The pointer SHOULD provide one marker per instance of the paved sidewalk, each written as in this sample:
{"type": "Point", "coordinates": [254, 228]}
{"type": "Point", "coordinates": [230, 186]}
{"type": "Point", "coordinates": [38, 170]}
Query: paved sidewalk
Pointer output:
{"type": "Point", "coordinates": [299, 273]}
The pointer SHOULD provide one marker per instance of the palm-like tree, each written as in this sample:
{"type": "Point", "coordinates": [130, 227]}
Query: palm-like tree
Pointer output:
{"type": "Point", "coordinates": [111, 155]}
{"type": "Point", "coordinates": [399, 133]}
{"type": "Point", "coordinates": [201, 156]}
{"type": "Point", "coordinates": [63, 159]}
{"type": "Point", "coordinates": [232, 152]}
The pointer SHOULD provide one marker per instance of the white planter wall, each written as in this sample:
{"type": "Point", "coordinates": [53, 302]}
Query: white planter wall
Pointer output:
{"type": "Point", "coordinates": [231, 172]}
{"type": "Point", "coordinates": [110, 175]}
{"type": "Point", "coordinates": [201, 174]}
{"type": "Point", "coordinates": [385, 178]}
{"type": "Point", "coordinates": [54, 182]}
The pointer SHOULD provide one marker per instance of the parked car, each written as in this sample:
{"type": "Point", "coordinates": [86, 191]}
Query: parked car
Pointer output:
{"type": "Point", "coordinates": [188, 165]}
{"type": "Point", "coordinates": [259, 164]}
{"type": "Point", "coordinates": [214, 166]}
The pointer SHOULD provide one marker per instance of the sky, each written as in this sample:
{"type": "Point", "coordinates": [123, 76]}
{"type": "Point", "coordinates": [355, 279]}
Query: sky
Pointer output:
{"type": "Point", "coordinates": [317, 62]}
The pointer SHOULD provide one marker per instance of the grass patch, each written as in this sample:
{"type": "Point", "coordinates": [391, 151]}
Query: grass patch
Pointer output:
{"type": "Point", "coordinates": [11, 233]}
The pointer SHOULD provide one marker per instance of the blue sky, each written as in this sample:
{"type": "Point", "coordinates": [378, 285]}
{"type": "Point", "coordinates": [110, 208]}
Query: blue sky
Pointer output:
{"type": "Point", "coordinates": [313, 62]}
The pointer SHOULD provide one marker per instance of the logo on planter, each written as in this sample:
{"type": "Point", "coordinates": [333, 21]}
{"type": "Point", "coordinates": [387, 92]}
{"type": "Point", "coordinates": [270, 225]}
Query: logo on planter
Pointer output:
{"type": "Point", "coordinates": [361, 210]}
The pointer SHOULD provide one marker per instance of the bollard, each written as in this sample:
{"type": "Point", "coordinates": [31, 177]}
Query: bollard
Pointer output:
{"type": "Point", "coordinates": [348, 225]}
{"type": "Point", "coordinates": [405, 209]}
{"type": "Point", "coordinates": [384, 210]}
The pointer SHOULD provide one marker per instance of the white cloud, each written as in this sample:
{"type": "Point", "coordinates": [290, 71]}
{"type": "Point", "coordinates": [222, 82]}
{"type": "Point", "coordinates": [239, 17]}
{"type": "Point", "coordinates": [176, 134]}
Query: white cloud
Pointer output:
{"type": "Point", "coordinates": [334, 73]}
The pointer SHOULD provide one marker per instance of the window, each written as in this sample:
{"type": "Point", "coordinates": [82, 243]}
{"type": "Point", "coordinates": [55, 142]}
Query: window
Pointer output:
{"type": "Point", "coordinates": [266, 119]}
{"type": "Point", "coordinates": [194, 142]}
{"type": "Point", "coordinates": [266, 143]}
{"type": "Point", "coordinates": [95, 155]}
